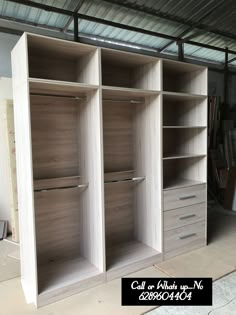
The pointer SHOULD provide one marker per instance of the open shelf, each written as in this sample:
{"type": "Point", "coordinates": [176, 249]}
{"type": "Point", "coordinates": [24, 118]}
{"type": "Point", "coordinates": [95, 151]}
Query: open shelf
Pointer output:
{"type": "Point", "coordinates": [131, 70]}
{"type": "Point", "coordinates": [182, 97]}
{"type": "Point", "coordinates": [55, 59]}
{"type": "Point", "coordinates": [55, 87]}
{"type": "Point", "coordinates": [179, 173]}
{"type": "Point", "coordinates": [182, 127]}
{"type": "Point", "coordinates": [184, 78]}
{"type": "Point", "coordinates": [59, 182]}
{"type": "Point", "coordinates": [61, 273]}
{"type": "Point", "coordinates": [128, 253]}
{"type": "Point", "coordinates": [173, 183]}
{"type": "Point", "coordinates": [184, 142]}
{"type": "Point", "coordinates": [68, 217]}
{"type": "Point", "coordinates": [182, 156]}
{"type": "Point", "coordinates": [184, 111]}
{"type": "Point", "coordinates": [111, 91]}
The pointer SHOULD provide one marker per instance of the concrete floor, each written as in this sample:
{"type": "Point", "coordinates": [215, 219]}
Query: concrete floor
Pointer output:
{"type": "Point", "coordinates": [215, 260]}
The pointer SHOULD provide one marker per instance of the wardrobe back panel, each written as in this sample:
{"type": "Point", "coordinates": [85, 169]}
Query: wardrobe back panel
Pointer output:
{"type": "Point", "coordinates": [119, 216]}
{"type": "Point", "coordinates": [118, 136]}
{"type": "Point", "coordinates": [54, 68]}
{"type": "Point", "coordinates": [54, 124]}
{"type": "Point", "coordinates": [57, 224]}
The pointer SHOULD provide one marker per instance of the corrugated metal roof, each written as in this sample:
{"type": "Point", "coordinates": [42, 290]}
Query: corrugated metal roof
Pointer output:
{"type": "Point", "coordinates": [184, 12]}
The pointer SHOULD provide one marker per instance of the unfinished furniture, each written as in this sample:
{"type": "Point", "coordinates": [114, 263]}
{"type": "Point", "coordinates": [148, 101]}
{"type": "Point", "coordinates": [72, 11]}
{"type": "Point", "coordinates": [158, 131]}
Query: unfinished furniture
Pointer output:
{"type": "Point", "coordinates": [111, 166]}
{"type": "Point", "coordinates": [9, 170]}
{"type": "Point", "coordinates": [8, 207]}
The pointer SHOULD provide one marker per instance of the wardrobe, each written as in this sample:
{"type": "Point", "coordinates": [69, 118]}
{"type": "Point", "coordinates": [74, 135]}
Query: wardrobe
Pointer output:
{"type": "Point", "coordinates": [111, 151]}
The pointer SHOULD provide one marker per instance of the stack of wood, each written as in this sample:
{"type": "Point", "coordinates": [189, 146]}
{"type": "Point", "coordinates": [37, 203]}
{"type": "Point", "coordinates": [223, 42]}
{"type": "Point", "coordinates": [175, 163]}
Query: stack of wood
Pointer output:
{"type": "Point", "coordinates": [222, 153]}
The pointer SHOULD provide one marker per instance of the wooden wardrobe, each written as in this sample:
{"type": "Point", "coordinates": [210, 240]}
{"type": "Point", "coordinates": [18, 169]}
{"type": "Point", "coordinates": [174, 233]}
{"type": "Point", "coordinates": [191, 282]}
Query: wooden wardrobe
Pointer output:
{"type": "Point", "coordinates": [111, 153]}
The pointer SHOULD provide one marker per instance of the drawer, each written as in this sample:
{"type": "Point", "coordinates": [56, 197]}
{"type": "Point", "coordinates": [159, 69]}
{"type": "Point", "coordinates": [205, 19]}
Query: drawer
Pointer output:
{"type": "Point", "coordinates": [182, 197]}
{"type": "Point", "coordinates": [184, 239]}
{"type": "Point", "coordinates": [183, 216]}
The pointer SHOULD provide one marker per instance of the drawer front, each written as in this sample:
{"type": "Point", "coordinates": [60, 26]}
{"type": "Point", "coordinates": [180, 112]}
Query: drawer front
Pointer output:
{"type": "Point", "coordinates": [182, 197]}
{"type": "Point", "coordinates": [183, 216]}
{"type": "Point", "coordinates": [184, 239]}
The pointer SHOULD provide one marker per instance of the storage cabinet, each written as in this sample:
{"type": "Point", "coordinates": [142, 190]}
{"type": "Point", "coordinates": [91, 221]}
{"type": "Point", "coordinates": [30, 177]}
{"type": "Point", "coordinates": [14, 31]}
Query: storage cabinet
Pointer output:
{"type": "Point", "coordinates": [111, 162]}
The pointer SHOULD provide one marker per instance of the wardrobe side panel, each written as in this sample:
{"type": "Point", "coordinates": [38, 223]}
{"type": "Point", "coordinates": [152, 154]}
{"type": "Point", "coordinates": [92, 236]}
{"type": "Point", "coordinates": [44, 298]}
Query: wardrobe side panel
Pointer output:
{"type": "Point", "coordinates": [24, 169]}
{"type": "Point", "coordinates": [92, 219]}
{"type": "Point", "coordinates": [148, 158]}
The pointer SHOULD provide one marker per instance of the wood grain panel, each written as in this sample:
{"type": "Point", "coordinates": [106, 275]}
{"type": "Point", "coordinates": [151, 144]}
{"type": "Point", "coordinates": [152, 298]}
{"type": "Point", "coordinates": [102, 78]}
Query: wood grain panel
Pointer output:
{"type": "Point", "coordinates": [58, 226]}
{"type": "Point", "coordinates": [54, 68]}
{"type": "Point", "coordinates": [119, 212]}
{"type": "Point", "coordinates": [91, 170]}
{"type": "Point", "coordinates": [57, 182]}
{"type": "Point", "coordinates": [54, 137]}
{"type": "Point", "coordinates": [147, 163]}
{"type": "Point", "coordinates": [118, 136]}
{"type": "Point", "coordinates": [24, 170]}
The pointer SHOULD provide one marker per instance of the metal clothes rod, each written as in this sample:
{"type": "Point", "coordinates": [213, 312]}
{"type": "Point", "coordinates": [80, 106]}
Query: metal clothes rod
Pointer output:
{"type": "Point", "coordinates": [125, 180]}
{"type": "Point", "coordinates": [54, 95]}
{"type": "Point", "coordinates": [123, 101]}
{"type": "Point", "coordinates": [60, 188]}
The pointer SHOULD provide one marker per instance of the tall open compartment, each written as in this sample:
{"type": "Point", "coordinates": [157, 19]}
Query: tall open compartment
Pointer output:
{"type": "Point", "coordinates": [68, 238]}
{"type": "Point", "coordinates": [64, 193]}
{"type": "Point", "coordinates": [132, 204]}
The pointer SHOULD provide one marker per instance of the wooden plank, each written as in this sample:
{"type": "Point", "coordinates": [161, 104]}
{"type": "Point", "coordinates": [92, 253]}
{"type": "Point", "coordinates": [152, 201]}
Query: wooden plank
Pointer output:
{"type": "Point", "coordinates": [116, 176]}
{"type": "Point", "coordinates": [148, 163]}
{"type": "Point", "coordinates": [132, 93]}
{"type": "Point", "coordinates": [5, 94]}
{"type": "Point", "coordinates": [56, 182]}
{"type": "Point", "coordinates": [91, 170]}
{"type": "Point", "coordinates": [175, 182]}
{"type": "Point", "coordinates": [11, 167]}
{"type": "Point", "coordinates": [54, 87]}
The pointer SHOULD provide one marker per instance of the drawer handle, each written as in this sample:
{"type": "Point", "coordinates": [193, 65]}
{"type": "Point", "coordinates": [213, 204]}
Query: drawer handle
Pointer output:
{"type": "Point", "coordinates": [187, 197]}
{"type": "Point", "coordinates": [188, 216]}
{"type": "Point", "coordinates": [187, 236]}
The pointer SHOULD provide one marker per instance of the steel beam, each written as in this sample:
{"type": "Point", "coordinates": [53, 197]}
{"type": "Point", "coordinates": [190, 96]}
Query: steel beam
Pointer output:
{"type": "Point", "coordinates": [226, 78]}
{"type": "Point", "coordinates": [232, 60]}
{"type": "Point", "coordinates": [69, 21]}
{"type": "Point", "coordinates": [180, 51]}
{"type": "Point", "coordinates": [76, 31]}
{"type": "Point", "coordinates": [115, 24]}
